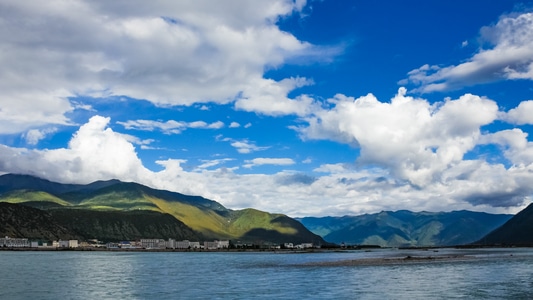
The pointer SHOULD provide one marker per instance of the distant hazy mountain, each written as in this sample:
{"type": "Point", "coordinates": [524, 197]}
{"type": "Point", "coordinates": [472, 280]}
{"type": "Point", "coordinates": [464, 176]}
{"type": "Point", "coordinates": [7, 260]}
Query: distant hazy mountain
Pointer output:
{"type": "Point", "coordinates": [518, 231]}
{"type": "Point", "coordinates": [406, 228]}
{"type": "Point", "coordinates": [115, 210]}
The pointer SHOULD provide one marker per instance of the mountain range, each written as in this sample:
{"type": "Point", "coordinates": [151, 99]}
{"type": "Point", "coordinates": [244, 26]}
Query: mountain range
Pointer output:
{"type": "Point", "coordinates": [406, 229]}
{"type": "Point", "coordinates": [114, 210]}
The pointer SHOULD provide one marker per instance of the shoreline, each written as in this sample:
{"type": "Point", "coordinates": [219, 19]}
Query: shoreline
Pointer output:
{"type": "Point", "coordinates": [102, 249]}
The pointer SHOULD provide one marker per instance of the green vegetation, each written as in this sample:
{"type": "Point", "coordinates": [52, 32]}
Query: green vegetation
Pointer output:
{"type": "Point", "coordinates": [21, 196]}
{"type": "Point", "coordinates": [247, 219]}
{"type": "Point", "coordinates": [105, 209]}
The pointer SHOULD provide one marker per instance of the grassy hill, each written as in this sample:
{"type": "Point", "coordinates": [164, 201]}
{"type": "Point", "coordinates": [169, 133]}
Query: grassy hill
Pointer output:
{"type": "Point", "coordinates": [85, 207]}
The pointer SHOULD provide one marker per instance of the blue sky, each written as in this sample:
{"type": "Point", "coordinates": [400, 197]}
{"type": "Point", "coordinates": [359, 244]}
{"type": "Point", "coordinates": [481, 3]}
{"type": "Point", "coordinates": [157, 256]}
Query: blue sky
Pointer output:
{"type": "Point", "coordinates": [308, 108]}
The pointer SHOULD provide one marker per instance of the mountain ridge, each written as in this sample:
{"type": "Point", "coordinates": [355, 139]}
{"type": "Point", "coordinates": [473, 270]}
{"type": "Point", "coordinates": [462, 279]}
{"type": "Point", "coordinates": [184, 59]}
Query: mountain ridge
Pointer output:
{"type": "Point", "coordinates": [404, 228]}
{"type": "Point", "coordinates": [207, 218]}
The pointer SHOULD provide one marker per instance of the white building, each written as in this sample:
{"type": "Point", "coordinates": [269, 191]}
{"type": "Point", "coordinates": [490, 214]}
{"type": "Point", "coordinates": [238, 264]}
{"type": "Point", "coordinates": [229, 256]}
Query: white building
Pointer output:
{"type": "Point", "coordinates": [171, 244]}
{"type": "Point", "coordinates": [67, 244]}
{"type": "Point", "coordinates": [305, 246]}
{"type": "Point", "coordinates": [216, 245]}
{"type": "Point", "coordinates": [153, 244]}
{"type": "Point", "coordinates": [210, 245]}
{"type": "Point", "coordinates": [14, 242]}
{"type": "Point", "coordinates": [185, 244]}
{"type": "Point", "coordinates": [222, 244]}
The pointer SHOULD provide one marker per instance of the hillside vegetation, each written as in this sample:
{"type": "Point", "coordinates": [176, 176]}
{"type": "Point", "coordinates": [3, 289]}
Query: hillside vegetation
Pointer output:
{"type": "Point", "coordinates": [114, 210]}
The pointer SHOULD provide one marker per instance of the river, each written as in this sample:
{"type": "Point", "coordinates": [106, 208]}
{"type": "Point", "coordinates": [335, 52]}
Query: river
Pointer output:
{"type": "Point", "coordinates": [448, 274]}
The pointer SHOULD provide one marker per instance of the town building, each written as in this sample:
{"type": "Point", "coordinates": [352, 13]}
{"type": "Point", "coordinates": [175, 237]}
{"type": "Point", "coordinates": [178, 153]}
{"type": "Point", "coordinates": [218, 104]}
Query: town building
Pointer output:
{"type": "Point", "coordinates": [185, 244]}
{"type": "Point", "coordinates": [194, 245]}
{"type": "Point", "coordinates": [14, 242]}
{"type": "Point", "coordinates": [214, 245]}
{"type": "Point", "coordinates": [153, 244]}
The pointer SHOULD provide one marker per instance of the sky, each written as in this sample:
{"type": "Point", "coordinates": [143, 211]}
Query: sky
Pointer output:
{"type": "Point", "coordinates": [307, 108]}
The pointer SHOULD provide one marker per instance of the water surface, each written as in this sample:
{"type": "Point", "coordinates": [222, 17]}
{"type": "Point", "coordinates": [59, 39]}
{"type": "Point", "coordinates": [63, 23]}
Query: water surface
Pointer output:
{"type": "Point", "coordinates": [490, 273]}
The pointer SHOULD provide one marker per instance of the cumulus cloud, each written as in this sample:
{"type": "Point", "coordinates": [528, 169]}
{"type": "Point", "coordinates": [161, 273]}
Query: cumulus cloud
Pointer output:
{"type": "Point", "coordinates": [170, 126]}
{"type": "Point", "coordinates": [416, 140]}
{"type": "Point", "coordinates": [272, 98]}
{"type": "Point", "coordinates": [234, 125]}
{"type": "Point", "coordinates": [167, 52]}
{"type": "Point", "coordinates": [522, 114]}
{"type": "Point", "coordinates": [510, 57]}
{"type": "Point", "coordinates": [516, 147]}
{"type": "Point", "coordinates": [96, 152]}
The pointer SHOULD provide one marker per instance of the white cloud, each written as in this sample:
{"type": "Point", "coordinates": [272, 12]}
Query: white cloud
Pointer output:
{"type": "Point", "coordinates": [212, 163]}
{"type": "Point", "coordinates": [271, 98]}
{"type": "Point", "coordinates": [204, 125]}
{"type": "Point", "coordinates": [268, 161]}
{"type": "Point", "coordinates": [33, 136]}
{"type": "Point", "coordinates": [167, 52]}
{"type": "Point", "coordinates": [516, 148]}
{"type": "Point", "coordinates": [331, 168]}
{"type": "Point", "coordinates": [170, 126]}
{"type": "Point", "coordinates": [417, 141]}
{"type": "Point", "coordinates": [137, 141]}
{"type": "Point", "coordinates": [511, 57]}
{"type": "Point", "coordinates": [243, 146]}
{"type": "Point", "coordinates": [96, 152]}
{"type": "Point", "coordinates": [522, 114]}
{"type": "Point", "coordinates": [82, 106]}
{"type": "Point", "coordinates": [234, 125]}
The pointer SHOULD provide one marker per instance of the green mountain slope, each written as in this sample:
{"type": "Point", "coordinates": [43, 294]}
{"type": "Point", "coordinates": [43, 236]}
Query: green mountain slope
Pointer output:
{"type": "Point", "coordinates": [405, 228]}
{"type": "Point", "coordinates": [38, 198]}
{"type": "Point", "coordinates": [518, 231]}
{"type": "Point", "coordinates": [123, 225]}
{"type": "Point", "coordinates": [23, 221]}
{"type": "Point", "coordinates": [207, 218]}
